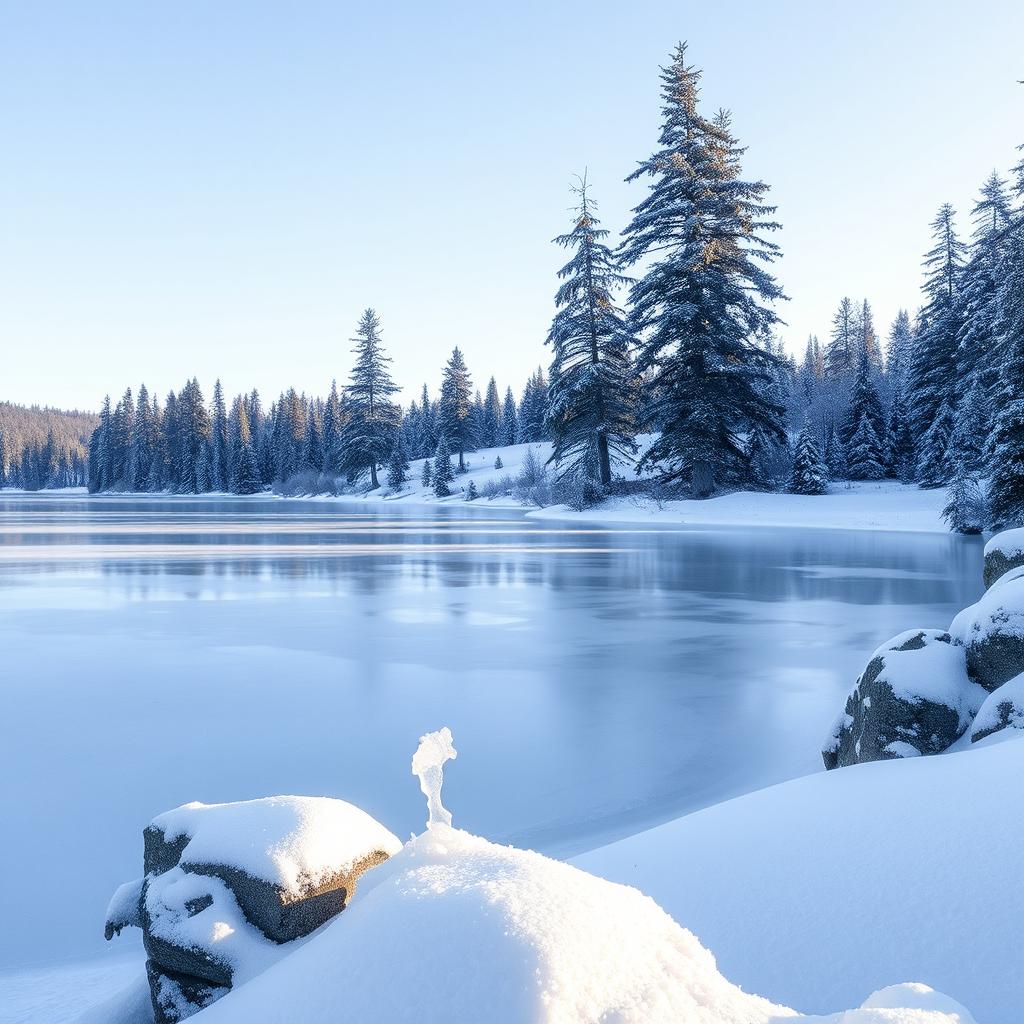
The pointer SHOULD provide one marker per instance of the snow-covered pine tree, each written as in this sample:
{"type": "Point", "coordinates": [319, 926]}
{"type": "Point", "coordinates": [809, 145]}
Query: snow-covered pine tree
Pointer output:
{"type": "Point", "coordinates": [498, 464]}
{"type": "Point", "coordinates": [443, 472]}
{"type": "Point", "coordinates": [901, 453]}
{"type": "Point", "coordinates": [425, 475]}
{"type": "Point", "coordinates": [590, 411]}
{"type": "Point", "coordinates": [220, 475]}
{"type": "Point", "coordinates": [247, 476]}
{"type": "Point", "coordinates": [509, 419]}
{"type": "Point", "coordinates": [933, 377]}
{"type": "Point", "coordinates": [454, 408]}
{"type": "Point", "coordinates": [144, 441]}
{"type": "Point", "coordinates": [398, 466]}
{"type": "Point", "coordinates": [899, 353]}
{"type": "Point", "coordinates": [370, 432]}
{"type": "Point", "coordinates": [492, 416]}
{"type": "Point", "coordinates": [471, 492]}
{"type": "Point", "coordinates": [864, 401]}
{"type": "Point", "coordinates": [1005, 453]}
{"type": "Point", "coordinates": [978, 357]}
{"type": "Point", "coordinates": [810, 474]}
{"type": "Point", "coordinates": [761, 459]}
{"type": "Point", "coordinates": [841, 350]}
{"type": "Point", "coordinates": [533, 409]}
{"type": "Point", "coordinates": [865, 459]}
{"type": "Point", "coordinates": [331, 431]}
{"type": "Point", "coordinates": [933, 464]}
{"type": "Point", "coordinates": [866, 339]}
{"type": "Point", "coordinates": [965, 510]}
{"type": "Point", "coordinates": [835, 455]}
{"type": "Point", "coordinates": [703, 297]}
{"type": "Point", "coordinates": [971, 428]}
{"type": "Point", "coordinates": [193, 427]}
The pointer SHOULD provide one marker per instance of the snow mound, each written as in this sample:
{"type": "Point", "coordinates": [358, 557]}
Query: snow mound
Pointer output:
{"type": "Point", "coordinates": [910, 1003]}
{"type": "Point", "coordinates": [458, 930]}
{"type": "Point", "coordinates": [292, 842]}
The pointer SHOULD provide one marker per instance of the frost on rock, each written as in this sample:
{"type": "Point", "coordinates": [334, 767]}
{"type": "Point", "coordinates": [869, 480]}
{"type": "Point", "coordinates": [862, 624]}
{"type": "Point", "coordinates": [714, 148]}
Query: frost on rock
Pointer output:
{"type": "Point", "coordinates": [428, 765]}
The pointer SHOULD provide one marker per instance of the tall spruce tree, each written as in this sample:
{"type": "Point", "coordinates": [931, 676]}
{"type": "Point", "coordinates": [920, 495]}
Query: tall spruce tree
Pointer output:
{"type": "Point", "coordinates": [455, 406]}
{"type": "Point", "coordinates": [704, 295]}
{"type": "Point", "coordinates": [443, 473]}
{"type": "Point", "coordinates": [589, 411]}
{"type": "Point", "coordinates": [933, 378]}
{"type": "Point", "coordinates": [220, 475]}
{"type": "Point", "coordinates": [865, 459]}
{"type": "Point", "coordinates": [492, 416]}
{"type": "Point", "coordinates": [370, 433]}
{"type": "Point", "coordinates": [509, 419]}
{"type": "Point", "coordinates": [810, 474]}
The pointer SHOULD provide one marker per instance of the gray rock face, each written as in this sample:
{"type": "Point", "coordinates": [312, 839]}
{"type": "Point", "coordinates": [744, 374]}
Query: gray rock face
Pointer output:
{"type": "Point", "coordinates": [1005, 551]}
{"type": "Point", "coordinates": [176, 997]}
{"type": "Point", "coordinates": [913, 698]}
{"type": "Point", "coordinates": [992, 630]}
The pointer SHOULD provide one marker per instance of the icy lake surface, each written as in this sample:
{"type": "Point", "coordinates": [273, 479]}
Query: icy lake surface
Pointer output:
{"type": "Point", "coordinates": [597, 681]}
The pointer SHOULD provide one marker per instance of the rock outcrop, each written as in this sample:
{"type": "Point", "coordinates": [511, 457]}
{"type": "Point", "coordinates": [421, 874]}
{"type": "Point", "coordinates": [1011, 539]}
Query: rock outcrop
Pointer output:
{"type": "Point", "coordinates": [227, 886]}
{"type": "Point", "coordinates": [913, 698]}
{"type": "Point", "coordinates": [923, 689]}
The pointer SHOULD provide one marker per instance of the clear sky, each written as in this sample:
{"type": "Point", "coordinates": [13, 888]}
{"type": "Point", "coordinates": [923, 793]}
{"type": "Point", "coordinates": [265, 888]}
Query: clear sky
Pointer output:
{"type": "Point", "coordinates": [221, 188]}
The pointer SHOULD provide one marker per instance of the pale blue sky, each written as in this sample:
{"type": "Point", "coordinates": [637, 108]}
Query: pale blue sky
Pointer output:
{"type": "Point", "coordinates": [221, 188]}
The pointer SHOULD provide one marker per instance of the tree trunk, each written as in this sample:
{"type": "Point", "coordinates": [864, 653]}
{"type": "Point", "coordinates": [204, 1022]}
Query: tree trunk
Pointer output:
{"type": "Point", "coordinates": [604, 459]}
{"type": "Point", "coordinates": [374, 483]}
{"type": "Point", "coordinates": [702, 479]}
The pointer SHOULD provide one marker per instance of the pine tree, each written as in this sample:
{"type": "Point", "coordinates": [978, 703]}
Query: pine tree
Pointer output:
{"type": "Point", "coordinates": [841, 351]}
{"type": "Point", "coordinates": [899, 353]}
{"type": "Point", "coordinates": [703, 296]}
{"type": "Point", "coordinates": [901, 454]}
{"type": "Point", "coordinates": [370, 433]}
{"type": "Point", "coordinates": [498, 464]}
{"type": "Point", "coordinates": [589, 395]}
{"type": "Point", "coordinates": [864, 401]}
{"type": "Point", "coordinates": [965, 510]}
{"type": "Point", "coordinates": [443, 473]}
{"type": "Point", "coordinates": [219, 472]}
{"type": "Point", "coordinates": [509, 419]}
{"type": "Point", "coordinates": [332, 425]}
{"type": "Point", "coordinates": [532, 414]}
{"type": "Point", "coordinates": [398, 466]}
{"type": "Point", "coordinates": [864, 457]}
{"type": "Point", "coordinates": [425, 476]}
{"type": "Point", "coordinates": [933, 373]}
{"type": "Point", "coordinates": [1005, 453]}
{"type": "Point", "coordinates": [835, 455]}
{"type": "Point", "coordinates": [471, 492]}
{"type": "Point", "coordinates": [810, 475]}
{"type": "Point", "coordinates": [454, 408]}
{"type": "Point", "coordinates": [193, 441]}
{"type": "Point", "coordinates": [933, 466]}
{"type": "Point", "coordinates": [492, 417]}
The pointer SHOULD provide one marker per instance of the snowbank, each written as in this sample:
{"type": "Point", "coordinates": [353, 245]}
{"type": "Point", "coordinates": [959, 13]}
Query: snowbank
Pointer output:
{"type": "Point", "coordinates": [815, 891]}
{"type": "Point", "coordinates": [1005, 551]}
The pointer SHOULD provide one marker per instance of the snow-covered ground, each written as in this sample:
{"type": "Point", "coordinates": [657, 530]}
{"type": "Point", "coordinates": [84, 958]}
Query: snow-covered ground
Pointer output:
{"type": "Point", "coordinates": [819, 889]}
{"type": "Point", "coordinates": [884, 505]}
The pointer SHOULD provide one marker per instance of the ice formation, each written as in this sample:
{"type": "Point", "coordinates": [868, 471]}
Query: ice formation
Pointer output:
{"type": "Point", "coordinates": [428, 765]}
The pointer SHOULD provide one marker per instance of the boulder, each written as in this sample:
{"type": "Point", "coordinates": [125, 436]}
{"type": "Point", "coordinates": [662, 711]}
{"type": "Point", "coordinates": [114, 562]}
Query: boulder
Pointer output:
{"type": "Point", "coordinates": [226, 886]}
{"type": "Point", "coordinates": [1003, 709]}
{"type": "Point", "coordinates": [1005, 551]}
{"type": "Point", "coordinates": [992, 631]}
{"type": "Point", "coordinates": [176, 997]}
{"type": "Point", "coordinates": [914, 697]}
{"type": "Point", "coordinates": [299, 875]}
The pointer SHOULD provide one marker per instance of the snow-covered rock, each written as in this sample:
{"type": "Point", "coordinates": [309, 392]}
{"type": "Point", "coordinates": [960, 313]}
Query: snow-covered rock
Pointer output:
{"type": "Point", "coordinates": [226, 886]}
{"type": "Point", "coordinates": [992, 630]}
{"type": "Point", "coordinates": [1005, 551]}
{"type": "Point", "coordinates": [290, 861]}
{"type": "Point", "coordinates": [1003, 709]}
{"type": "Point", "coordinates": [455, 929]}
{"type": "Point", "coordinates": [913, 698]}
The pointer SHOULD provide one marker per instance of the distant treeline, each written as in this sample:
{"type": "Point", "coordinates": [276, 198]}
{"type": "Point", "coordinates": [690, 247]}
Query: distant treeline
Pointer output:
{"type": "Point", "coordinates": [42, 447]}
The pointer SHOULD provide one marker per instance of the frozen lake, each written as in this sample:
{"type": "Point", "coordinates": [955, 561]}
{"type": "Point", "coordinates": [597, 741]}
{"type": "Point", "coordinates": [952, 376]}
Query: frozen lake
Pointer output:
{"type": "Point", "coordinates": [597, 681]}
